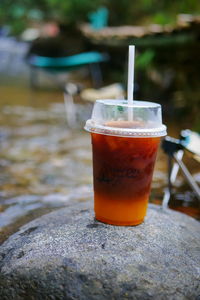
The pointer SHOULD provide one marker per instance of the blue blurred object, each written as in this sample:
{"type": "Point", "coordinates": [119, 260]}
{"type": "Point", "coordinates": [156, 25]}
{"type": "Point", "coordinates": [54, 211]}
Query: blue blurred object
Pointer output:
{"type": "Point", "coordinates": [68, 63]}
{"type": "Point", "coordinates": [12, 54]}
{"type": "Point", "coordinates": [99, 18]}
{"type": "Point", "coordinates": [4, 30]}
{"type": "Point", "coordinates": [191, 141]}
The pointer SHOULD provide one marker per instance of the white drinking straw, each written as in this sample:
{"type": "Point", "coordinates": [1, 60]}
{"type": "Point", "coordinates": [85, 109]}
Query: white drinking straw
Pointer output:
{"type": "Point", "coordinates": [130, 85]}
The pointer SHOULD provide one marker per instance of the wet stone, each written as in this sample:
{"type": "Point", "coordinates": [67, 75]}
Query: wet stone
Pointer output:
{"type": "Point", "coordinates": [68, 255]}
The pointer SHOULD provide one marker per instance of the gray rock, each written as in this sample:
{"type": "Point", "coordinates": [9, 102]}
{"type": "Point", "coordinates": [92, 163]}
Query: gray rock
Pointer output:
{"type": "Point", "coordinates": [68, 255]}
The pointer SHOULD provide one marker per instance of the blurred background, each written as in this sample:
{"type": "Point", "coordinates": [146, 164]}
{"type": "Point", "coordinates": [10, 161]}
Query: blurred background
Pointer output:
{"type": "Point", "coordinates": [56, 58]}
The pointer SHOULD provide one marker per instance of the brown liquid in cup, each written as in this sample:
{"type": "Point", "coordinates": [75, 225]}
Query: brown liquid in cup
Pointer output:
{"type": "Point", "coordinates": [122, 171]}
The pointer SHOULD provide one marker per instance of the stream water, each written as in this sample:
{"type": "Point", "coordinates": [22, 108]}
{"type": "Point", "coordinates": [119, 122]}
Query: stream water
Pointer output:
{"type": "Point", "coordinates": [45, 164]}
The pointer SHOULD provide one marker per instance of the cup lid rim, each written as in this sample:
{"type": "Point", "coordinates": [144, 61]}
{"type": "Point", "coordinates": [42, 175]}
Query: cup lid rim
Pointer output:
{"type": "Point", "coordinates": [130, 132]}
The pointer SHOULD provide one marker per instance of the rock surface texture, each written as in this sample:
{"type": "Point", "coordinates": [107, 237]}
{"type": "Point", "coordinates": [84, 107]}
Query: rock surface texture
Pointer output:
{"type": "Point", "coordinates": [68, 255]}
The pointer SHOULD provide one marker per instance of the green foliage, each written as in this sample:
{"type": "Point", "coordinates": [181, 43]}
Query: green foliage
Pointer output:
{"type": "Point", "coordinates": [163, 18]}
{"type": "Point", "coordinates": [144, 60]}
{"type": "Point", "coordinates": [72, 11]}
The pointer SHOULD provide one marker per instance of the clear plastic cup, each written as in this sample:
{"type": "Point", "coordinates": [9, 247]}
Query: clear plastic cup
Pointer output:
{"type": "Point", "coordinates": [125, 139]}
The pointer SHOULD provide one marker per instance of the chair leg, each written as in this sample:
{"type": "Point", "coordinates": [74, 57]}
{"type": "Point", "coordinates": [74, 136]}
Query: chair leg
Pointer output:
{"type": "Point", "coordinates": [33, 78]}
{"type": "Point", "coordinates": [168, 190]}
{"type": "Point", "coordinates": [70, 109]}
{"type": "Point", "coordinates": [188, 176]}
{"type": "Point", "coordinates": [175, 168]}
{"type": "Point", "coordinates": [172, 175]}
{"type": "Point", "coordinates": [96, 74]}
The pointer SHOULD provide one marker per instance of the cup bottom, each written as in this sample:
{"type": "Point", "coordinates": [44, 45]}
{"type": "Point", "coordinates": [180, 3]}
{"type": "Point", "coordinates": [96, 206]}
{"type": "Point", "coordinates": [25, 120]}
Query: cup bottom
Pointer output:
{"type": "Point", "coordinates": [119, 223]}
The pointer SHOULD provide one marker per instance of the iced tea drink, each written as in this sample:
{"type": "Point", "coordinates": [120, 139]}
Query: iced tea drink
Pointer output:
{"type": "Point", "coordinates": [122, 172]}
{"type": "Point", "coordinates": [124, 154]}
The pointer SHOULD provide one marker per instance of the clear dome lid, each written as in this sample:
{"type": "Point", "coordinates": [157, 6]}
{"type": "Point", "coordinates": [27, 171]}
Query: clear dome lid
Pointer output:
{"type": "Point", "coordinates": [117, 117]}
